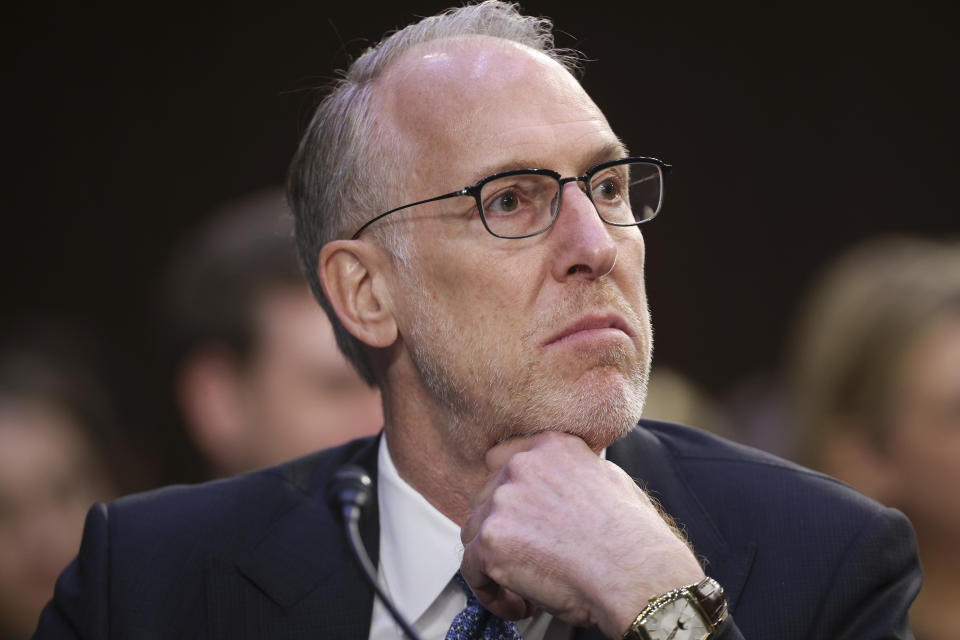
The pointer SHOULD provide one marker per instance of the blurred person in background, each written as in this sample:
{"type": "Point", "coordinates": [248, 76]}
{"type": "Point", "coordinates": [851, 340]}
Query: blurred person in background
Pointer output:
{"type": "Point", "coordinates": [673, 396]}
{"type": "Point", "coordinates": [876, 391]}
{"type": "Point", "coordinates": [258, 377]}
{"type": "Point", "coordinates": [58, 455]}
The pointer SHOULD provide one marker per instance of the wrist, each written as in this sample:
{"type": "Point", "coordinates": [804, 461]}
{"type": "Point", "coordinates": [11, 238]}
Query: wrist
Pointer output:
{"type": "Point", "coordinates": [692, 612]}
{"type": "Point", "coordinates": [622, 602]}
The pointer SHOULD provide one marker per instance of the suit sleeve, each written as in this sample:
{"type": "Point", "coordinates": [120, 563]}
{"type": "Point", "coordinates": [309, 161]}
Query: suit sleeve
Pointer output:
{"type": "Point", "coordinates": [80, 605]}
{"type": "Point", "coordinates": [872, 589]}
{"type": "Point", "coordinates": [875, 585]}
{"type": "Point", "coordinates": [728, 631]}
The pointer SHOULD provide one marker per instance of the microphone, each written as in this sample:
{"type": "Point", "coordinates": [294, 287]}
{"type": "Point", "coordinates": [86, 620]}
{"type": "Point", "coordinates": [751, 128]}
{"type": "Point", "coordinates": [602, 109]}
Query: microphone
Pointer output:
{"type": "Point", "coordinates": [352, 489]}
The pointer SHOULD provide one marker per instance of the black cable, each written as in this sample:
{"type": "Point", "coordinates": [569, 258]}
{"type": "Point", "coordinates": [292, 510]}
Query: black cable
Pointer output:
{"type": "Point", "coordinates": [352, 491]}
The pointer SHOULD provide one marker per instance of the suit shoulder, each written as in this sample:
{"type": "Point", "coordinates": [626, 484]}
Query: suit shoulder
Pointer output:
{"type": "Point", "coordinates": [689, 445]}
{"type": "Point", "coordinates": [763, 523]}
{"type": "Point", "coordinates": [718, 470]}
{"type": "Point", "coordinates": [146, 559]}
{"type": "Point", "coordinates": [241, 505]}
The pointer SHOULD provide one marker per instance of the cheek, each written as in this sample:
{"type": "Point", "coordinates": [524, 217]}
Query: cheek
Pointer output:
{"type": "Point", "coordinates": [482, 292]}
{"type": "Point", "coordinates": [631, 254]}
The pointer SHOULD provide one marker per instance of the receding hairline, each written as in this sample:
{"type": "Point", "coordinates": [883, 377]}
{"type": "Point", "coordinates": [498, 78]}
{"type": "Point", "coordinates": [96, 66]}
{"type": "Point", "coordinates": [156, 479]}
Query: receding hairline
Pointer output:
{"type": "Point", "coordinates": [407, 60]}
{"type": "Point", "coordinates": [382, 98]}
{"type": "Point", "coordinates": [469, 40]}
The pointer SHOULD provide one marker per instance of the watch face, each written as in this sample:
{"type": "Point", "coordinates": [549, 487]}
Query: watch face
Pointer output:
{"type": "Point", "coordinates": [676, 620]}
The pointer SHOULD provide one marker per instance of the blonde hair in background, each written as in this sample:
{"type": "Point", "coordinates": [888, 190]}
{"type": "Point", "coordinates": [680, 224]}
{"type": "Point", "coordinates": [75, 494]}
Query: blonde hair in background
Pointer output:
{"type": "Point", "coordinates": [863, 315]}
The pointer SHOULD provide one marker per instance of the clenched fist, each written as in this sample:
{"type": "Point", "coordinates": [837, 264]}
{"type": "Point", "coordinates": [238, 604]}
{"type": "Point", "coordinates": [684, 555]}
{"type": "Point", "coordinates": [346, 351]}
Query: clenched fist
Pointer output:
{"type": "Point", "coordinates": [557, 527]}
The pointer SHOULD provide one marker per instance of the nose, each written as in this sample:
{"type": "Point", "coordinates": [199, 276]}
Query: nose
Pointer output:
{"type": "Point", "coordinates": [584, 247]}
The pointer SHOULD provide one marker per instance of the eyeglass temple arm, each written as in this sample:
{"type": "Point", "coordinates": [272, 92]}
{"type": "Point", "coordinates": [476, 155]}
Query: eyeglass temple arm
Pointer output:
{"type": "Point", "coordinates": [453, 194]}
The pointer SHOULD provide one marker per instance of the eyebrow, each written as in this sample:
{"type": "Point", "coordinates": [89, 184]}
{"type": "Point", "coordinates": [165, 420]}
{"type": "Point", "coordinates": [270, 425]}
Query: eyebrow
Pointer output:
{"type": "Point", "coordinates": [609, 151]}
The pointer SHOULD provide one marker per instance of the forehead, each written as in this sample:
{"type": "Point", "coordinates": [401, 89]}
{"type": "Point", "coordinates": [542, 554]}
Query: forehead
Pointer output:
{"type": "Point", "coordinates": [470, 106]}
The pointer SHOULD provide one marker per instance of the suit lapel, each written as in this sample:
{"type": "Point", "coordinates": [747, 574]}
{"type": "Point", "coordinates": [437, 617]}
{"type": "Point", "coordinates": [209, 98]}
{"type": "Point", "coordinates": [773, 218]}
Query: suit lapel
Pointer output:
{"type": "Point", "coordinates": [303, 566]}
{"type": "Point", "coordinates": [312, 584]}
{"type": "Point", "coordinates": [651, 465]}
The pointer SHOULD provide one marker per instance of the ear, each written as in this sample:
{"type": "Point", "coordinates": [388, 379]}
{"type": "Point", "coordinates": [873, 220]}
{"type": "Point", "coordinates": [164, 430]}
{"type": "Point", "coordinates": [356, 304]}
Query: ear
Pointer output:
{"type": "Point", "coordinates": [209, 393]}
{"type": "Point", "coordinates": [354, 277]}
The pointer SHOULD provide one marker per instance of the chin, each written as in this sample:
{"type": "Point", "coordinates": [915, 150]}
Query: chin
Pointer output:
{"type": "Point", "coordinates": [602, 406]}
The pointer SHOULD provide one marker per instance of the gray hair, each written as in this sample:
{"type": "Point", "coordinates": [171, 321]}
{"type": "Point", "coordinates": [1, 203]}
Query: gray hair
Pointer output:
{"type": "Point", "coordinates": [347, 164]}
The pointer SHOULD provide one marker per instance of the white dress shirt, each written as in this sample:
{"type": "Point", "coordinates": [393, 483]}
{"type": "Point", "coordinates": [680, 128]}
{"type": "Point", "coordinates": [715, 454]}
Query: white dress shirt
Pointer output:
{"type": "Point", "coordinates": [420, 552]}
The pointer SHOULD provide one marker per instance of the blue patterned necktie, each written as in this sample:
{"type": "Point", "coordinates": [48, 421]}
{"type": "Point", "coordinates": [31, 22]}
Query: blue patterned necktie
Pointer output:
{"type": "Point", "coordinates": [476, 623]}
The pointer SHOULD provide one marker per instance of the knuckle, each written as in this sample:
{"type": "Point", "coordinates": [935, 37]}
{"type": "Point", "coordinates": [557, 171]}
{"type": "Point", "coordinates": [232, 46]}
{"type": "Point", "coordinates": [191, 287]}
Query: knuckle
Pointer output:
{"type": "Point", "coordinates": [501, 499]}
{"type": "Point", "coordinates": [518, 465]}
{"type": "Point", "coordinates": [497, 536]}
{"type": "Point", "coordinates": [498, 573]}
{"type": "Point", "coordinates": [490, 535]}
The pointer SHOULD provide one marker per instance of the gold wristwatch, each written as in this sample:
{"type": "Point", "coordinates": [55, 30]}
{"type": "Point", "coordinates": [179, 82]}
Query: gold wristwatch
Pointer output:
{"type": "Point", "coordinates": [693, 612]}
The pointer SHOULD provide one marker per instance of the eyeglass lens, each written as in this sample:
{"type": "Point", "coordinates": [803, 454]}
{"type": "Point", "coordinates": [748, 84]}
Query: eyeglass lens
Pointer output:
{"type": "Point", "coordinates": [625, 194]}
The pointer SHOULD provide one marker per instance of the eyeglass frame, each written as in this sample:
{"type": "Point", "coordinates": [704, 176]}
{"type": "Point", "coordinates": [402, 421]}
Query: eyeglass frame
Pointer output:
{"type": "Point", "coordinates": [474, 190]}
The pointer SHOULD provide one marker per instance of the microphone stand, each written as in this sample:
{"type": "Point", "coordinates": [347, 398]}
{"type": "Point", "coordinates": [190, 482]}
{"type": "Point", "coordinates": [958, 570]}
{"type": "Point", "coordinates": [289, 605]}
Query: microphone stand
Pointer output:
{"type": "Point", "coordinates": [352, 489]}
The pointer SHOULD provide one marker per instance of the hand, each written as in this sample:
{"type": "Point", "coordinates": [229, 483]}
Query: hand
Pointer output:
{"type": "Point", "coordinates": [555, 526]}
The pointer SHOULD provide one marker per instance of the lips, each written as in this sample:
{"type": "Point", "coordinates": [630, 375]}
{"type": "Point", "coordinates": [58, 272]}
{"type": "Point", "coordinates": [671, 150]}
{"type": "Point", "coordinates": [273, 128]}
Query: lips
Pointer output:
{"type": "Point", "coordinates": [592, 322]}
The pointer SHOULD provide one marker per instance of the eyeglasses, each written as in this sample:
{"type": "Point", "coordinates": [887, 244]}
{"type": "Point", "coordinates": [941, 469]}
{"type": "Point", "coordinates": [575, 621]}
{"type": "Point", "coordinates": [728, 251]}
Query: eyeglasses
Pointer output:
{"type": "Point", "coordinates": [525, 202]}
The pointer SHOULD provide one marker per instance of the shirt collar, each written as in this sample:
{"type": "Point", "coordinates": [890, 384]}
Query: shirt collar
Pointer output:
{"type": "Point", "coordinates": [420, 548]}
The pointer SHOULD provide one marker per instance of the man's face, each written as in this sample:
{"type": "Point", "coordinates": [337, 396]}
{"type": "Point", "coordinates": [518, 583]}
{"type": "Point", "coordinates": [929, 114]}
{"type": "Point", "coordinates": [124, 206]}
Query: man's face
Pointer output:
{"type": "Point", "coordinates": [512, 337]}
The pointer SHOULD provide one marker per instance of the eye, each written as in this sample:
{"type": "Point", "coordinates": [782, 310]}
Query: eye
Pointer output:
{"type": "Point", "coordinates": [505, 202]}
{"type": "Point", "coordinates": [515, 195]}
{"type": "Point", "coordinates": [609, 188]}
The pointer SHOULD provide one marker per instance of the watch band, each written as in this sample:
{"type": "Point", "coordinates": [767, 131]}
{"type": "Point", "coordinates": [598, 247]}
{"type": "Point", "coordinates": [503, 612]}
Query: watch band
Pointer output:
{"type": "Point", "coordinates": [709, 598]}
{"type": "Point", "coordinates": [709, 595]}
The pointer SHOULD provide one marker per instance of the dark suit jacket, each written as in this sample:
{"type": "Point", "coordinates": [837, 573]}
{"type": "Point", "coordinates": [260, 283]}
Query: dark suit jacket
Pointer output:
{"type": "Point", "coordinates": [262, 555]}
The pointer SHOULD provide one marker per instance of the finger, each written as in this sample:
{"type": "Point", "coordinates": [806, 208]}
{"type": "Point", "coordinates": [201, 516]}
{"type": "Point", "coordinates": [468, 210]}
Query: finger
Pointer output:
{"type": "Point", "coordinates": [508, 605]}
{"type": "Point", "coordinates": [495, 598]}
{"type": "Point", "coordinates": [475, 519]}
{"type": "Point", "coordinates": [482, 495]}
{"type": "Point", "coordinates": [500, 453]}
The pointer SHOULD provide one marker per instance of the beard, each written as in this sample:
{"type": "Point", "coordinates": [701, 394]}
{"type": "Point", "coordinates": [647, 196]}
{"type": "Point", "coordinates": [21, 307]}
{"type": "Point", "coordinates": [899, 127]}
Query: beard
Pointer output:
{"type": "Point", "coordinates": [489, 391]}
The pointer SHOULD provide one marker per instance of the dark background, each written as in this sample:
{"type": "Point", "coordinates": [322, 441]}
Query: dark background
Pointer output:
{"type": "Point", "coordinates": [795, 131]}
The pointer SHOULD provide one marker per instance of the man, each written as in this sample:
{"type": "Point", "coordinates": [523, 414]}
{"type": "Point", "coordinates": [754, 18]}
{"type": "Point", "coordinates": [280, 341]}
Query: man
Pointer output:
{"type": "Point", "coordinates": [506, 325]}
{"type": "Point", "coordinates": [257, 374]}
